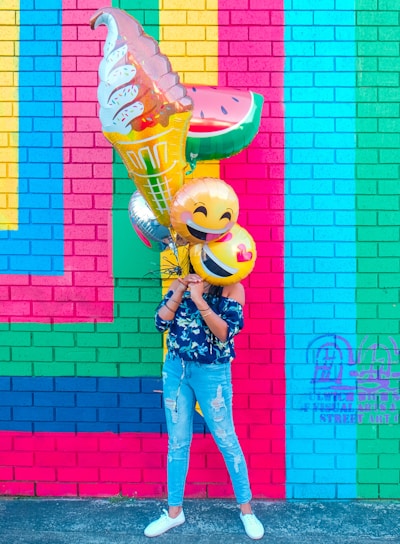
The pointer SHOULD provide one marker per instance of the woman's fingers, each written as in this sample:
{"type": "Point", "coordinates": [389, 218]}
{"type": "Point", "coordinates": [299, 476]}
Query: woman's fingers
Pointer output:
{"type": "Point", "coordinates": [192, 278]}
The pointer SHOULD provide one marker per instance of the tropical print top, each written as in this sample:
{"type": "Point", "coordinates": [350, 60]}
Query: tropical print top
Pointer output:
{"type": "Point", "coordinates": [190, 338]}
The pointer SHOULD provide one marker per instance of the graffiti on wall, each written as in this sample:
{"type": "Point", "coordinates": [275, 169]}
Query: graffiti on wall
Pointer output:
{"type": "Point", "coordinates": [353, 386]}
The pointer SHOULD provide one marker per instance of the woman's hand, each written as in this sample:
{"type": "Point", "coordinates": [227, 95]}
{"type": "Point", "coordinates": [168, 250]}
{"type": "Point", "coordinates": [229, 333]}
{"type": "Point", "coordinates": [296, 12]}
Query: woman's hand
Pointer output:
{"type": "Point", "coordinates": [195, 284]}
{"type": "Point", "coordinates": [180, 285]}
{"type": "Point", "coordinates": [196, 289]}
{"type": "Point", "coordinates": [190, 278]}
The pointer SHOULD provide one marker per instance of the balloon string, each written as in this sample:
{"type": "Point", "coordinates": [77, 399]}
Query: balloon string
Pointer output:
{"type": "Point", "coordinates": [172, 269]}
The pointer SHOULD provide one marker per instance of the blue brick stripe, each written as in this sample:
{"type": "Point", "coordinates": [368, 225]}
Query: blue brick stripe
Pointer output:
{"type": "Point", "coordinates": [48, 404]}
{"type": "Point", "coordinates": [320, 262]}
{"type": "Point", "coordinates": [37, 247]}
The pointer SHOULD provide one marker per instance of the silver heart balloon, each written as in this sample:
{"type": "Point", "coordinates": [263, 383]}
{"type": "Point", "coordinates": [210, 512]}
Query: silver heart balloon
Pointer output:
{"type": "Point", "coordinates": [154, 235]}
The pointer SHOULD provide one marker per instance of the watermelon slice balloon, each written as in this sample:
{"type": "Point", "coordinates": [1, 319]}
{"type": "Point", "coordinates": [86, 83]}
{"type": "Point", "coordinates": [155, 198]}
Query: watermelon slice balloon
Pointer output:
{"type": "Point", "coordinates": [224, 122]}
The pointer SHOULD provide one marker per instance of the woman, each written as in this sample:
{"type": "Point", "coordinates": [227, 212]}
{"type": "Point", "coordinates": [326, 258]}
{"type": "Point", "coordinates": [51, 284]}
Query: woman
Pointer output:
{"type": "Point", "coordinates": [202, 321]}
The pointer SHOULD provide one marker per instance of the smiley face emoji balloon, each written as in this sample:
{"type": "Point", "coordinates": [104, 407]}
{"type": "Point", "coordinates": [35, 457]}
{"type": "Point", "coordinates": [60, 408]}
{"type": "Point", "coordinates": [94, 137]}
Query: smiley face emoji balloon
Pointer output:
{"type": "Point", "coordinates": [204, 209]}
{"type": "Point", "coordinates": [226, 260]}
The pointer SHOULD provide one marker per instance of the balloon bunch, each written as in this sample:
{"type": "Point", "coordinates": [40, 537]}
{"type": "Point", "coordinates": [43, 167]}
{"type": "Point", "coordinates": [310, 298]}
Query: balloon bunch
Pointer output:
{"type": "Point", "coordinates": [204, 212]}
{"type": "Point", "coordinates": [159, 126]}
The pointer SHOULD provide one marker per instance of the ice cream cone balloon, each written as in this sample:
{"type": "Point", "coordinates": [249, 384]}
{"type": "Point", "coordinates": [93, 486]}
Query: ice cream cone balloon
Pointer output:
{"type": "Point", "coordinates": [154, 158]}
{"type": "Point", "coordinates": [144, 110]}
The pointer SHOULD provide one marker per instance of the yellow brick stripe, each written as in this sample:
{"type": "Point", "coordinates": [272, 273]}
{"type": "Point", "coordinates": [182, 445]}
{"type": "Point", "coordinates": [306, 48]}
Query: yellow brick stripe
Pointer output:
{"type": "Point", "coordinates": [9, 53]}
{"type": "Point", "coordinates": [189, 37]}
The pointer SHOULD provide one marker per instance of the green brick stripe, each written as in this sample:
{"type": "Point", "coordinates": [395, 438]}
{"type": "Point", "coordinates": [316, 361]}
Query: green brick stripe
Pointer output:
{"type": "Point", "coordinates": [378, 237]}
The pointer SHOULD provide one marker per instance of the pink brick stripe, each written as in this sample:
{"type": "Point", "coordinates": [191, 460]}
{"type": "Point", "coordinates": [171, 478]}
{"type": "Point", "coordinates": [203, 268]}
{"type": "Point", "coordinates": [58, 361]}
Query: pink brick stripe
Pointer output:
{"type": "Point", "coordinates": [104, 464]}
{"type": "Point", "coordinates": [250, 57]}
{"type": "Point", "coordinates": [87, 198]}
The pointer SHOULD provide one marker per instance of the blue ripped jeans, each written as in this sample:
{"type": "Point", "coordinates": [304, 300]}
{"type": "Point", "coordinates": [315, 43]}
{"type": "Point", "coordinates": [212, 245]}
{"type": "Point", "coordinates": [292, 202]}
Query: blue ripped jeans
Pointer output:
{"type": "Point", "coordinates": [184, 382]}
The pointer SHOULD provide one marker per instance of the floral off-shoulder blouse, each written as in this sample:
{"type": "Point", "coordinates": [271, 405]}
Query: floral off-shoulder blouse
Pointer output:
{"type": "Point", "coordinates": [189, 336]}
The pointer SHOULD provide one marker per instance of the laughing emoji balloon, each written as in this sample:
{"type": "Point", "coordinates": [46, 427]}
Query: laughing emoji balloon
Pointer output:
{"type": "Point", "coordinates": [204, 209]}
{"type": "Point", "coordinates": [226, 260]}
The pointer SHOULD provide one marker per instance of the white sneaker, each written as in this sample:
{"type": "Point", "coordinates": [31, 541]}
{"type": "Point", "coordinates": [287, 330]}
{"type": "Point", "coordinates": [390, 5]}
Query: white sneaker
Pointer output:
{"type": "Point", "coordinates": [252, 525]}
{"type": "Point", "coordinates": [163, 524]}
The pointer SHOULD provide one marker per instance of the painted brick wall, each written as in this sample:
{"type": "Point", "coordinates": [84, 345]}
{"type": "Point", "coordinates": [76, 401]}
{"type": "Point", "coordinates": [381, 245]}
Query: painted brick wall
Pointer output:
{"type": "Point", "coordinates": [316, 379]}
{"type": "Point", "coordinates": [341, 261]}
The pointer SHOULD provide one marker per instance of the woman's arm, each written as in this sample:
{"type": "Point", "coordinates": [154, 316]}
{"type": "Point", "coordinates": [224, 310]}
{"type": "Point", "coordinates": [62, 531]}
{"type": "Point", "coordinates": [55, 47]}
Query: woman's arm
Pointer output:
{"type": "Point", "coordinates": [178, 287]}
{"type": "Point", "coordinates": [167, 310]}
{"type": "Point", "coordinates": [215, 323]}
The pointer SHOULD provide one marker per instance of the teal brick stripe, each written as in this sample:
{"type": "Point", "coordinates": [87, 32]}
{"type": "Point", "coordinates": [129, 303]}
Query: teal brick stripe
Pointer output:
{"type": "Point", "coordinates": [320, 258]}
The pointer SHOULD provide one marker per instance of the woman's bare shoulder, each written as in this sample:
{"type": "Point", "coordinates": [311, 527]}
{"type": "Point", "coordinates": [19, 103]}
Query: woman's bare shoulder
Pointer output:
{"type": "Point", "coordinates": [236, 292]}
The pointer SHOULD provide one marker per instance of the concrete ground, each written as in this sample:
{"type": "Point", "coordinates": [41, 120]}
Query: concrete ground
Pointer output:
{"type": "Point", "coordinates": [119, 521]}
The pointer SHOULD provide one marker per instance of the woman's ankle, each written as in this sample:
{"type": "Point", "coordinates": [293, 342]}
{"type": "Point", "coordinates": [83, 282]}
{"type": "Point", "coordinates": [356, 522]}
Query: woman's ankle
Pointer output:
{"type": "Point", "coordinates": [174, 511]}
{"type": "Point", "coordinates": [245, 508]}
